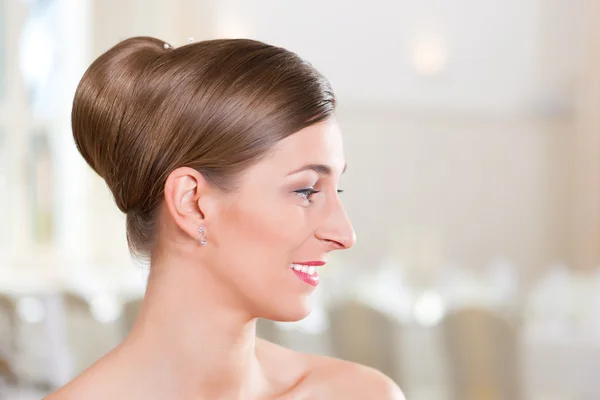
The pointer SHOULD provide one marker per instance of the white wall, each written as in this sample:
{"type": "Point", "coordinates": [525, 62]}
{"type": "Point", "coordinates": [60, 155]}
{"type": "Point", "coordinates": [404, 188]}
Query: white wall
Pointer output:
{"type": "Point", "coordinates": [484, 188]}
{"type": "Point", "coordinates": [497, 54]}
{"type": "Point", "coordinates": [474, 157]}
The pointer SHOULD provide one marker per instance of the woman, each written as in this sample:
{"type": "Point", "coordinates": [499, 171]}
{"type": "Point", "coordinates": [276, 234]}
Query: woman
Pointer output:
{"type": "Point", "coordinates": [225, 156]}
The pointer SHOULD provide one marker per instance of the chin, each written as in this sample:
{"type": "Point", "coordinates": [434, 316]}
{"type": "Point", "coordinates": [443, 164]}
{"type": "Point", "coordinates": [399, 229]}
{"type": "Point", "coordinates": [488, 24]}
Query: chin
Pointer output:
{"type": "Point", "coordinates": [290, 312]}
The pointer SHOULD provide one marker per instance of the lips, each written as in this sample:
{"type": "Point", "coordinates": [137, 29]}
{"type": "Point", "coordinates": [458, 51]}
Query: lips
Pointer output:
{"type": "Point", "coordinates": [311, 263]}
{"type": "Point", "coordinates": [306, 271]}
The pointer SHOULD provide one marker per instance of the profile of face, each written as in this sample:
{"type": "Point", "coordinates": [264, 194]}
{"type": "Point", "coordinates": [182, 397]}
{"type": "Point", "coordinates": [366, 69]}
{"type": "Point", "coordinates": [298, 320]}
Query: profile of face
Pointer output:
{"type": "Point", "coordinates": [283, 218]}
{"type": "Point", "coordinates": [233, 136]}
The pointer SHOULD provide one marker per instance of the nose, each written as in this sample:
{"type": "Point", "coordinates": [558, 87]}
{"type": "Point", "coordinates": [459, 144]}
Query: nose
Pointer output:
{"type": "Point", "coordinates": [337, 231]}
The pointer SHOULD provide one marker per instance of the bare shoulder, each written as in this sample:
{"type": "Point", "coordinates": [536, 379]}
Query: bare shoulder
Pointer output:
{"type": "Point", "coordinates": [102, 380]}
{"type": "Point", "coordinates": [72, 390]}
{"type": "Point", "coordinates": [315, 377]}
{"type": "Point", "coordinates": [343, 379]}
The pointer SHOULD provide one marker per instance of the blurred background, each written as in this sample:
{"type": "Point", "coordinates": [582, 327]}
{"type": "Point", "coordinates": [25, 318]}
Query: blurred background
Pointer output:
{"type": "Point", "coordinates": [472, 132]}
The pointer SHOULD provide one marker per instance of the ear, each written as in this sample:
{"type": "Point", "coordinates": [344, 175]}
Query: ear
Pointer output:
{"type": "Point", "coordinates": [188, 199]}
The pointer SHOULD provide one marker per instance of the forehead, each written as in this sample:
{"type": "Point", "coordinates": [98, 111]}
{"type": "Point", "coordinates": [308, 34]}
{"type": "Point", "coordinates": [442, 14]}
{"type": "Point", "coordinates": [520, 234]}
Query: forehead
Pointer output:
{"type": "Point", "coordinates": [320, 143]}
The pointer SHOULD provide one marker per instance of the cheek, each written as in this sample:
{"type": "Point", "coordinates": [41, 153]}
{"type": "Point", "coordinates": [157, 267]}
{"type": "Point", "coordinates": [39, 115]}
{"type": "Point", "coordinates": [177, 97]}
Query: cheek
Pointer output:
{"type": "Point", "coordinates": [269, 226]}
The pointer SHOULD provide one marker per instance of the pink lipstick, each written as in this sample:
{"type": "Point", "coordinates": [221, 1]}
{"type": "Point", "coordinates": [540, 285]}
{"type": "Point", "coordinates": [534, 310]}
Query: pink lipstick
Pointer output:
{"type": "Point", "coordinates": [306, 271]}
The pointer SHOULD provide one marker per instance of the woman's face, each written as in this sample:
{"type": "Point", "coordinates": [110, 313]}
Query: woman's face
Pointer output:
{"type": "Point", "coordinates": [285, 215]}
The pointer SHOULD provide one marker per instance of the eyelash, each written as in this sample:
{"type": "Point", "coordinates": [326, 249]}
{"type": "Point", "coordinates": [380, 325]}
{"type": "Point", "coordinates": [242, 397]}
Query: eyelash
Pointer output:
{"type": "Point", "coordinates": [305, 193]}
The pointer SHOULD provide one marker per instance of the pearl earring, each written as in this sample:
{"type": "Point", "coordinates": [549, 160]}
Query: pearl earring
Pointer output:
{"type": "Point", "coordinates": [202, 237]}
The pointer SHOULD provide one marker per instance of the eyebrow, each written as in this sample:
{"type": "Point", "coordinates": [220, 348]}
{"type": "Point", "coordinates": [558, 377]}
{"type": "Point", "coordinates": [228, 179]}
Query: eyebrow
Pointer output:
{"type": "Point", "coordinates": [321, 169]}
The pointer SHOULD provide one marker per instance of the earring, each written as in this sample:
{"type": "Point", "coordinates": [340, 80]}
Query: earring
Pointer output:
{"type": "Point", "coordinates": [202, 237]}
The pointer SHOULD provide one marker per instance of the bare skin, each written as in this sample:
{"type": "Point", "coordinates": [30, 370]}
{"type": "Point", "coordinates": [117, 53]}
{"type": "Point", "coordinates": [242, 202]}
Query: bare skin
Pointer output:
{"type": "Point", "coordinates": [195, 337]}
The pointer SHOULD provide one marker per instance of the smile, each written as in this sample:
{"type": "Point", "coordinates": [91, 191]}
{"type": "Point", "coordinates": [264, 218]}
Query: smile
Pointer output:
{"type": "Point", "coordinates": [306, 273]}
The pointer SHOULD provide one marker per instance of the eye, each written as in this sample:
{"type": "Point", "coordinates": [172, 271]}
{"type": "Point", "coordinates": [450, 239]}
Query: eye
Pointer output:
{"type": "Point", "coordinates": [306, 193]}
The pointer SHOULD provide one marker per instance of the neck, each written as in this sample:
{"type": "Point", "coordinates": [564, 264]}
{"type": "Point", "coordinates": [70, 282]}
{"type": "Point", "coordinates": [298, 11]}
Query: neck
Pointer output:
{"type": "Point", "coordinates": [205, 346]}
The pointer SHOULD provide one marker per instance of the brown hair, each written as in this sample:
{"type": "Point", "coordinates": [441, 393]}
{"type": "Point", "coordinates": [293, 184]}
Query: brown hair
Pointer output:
{"type": "Point", "coordinates": [143, 109]}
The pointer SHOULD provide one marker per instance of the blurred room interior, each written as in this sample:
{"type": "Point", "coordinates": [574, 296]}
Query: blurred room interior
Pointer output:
{"type": "Point", "coordinates": [472, 133]}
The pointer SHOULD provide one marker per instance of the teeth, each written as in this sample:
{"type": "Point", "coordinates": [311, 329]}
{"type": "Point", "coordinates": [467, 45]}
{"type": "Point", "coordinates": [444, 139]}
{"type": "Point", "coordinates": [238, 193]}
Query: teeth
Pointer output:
{"type": "Point", "coordinates": [304, 268]}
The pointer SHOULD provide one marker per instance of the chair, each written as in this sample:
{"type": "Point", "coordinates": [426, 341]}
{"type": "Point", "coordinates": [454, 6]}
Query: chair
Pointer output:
{"type": "Point", "coordinates": [87, 338]}
{"type": "Point", "coordinates": [8, 339]}
{"type": "Point", "coordinates": [131, 311]}
{"type": "Point", "coordinates": [8, 326]}
{"type": "Point", "coordinates": [7, 375]}
{"type": "Point", "coordinates": [367, 336]}
{"type": "Point", "coordinates": [482, 353]}
{"type": "Point", "coordinates": [268, 330]}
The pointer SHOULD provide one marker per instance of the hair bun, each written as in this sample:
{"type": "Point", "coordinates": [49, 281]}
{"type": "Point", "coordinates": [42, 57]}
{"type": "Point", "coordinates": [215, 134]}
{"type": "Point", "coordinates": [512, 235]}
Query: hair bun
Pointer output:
{"type": "Point", "coordinates": [218, 106]}
{"type": "Point", "coordinates": [99, 107]}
